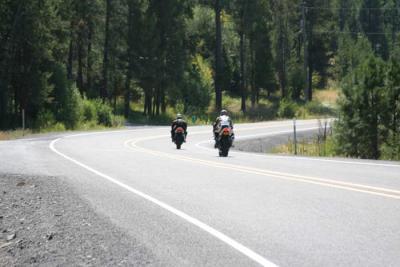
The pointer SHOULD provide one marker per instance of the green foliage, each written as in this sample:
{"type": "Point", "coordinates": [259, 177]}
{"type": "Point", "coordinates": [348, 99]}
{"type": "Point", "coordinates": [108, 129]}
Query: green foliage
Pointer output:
{"type": "Point", "coordinates": [117, 121]}
{"type": "Point", "coordinates": [317, 108]}
{"type": "Point", "coordinates": [351, 53]}
{"type": "Point", "coordinates": [104, 113]}
{"type": "Point", "coordinates": [391, 121]}
{"type": "Point", "coordinates": [71, 112]}
{"type": "Point", "coordinates": [162, 54]}
{"type": "Point", "coordinates": [197, 87]}
{"type": "Point", "coordinates": [295, 81]}
{"type": "Point", "coordinates": [313, 147]}
{"type": "Point", "coordinates": [362, 107]}
{"type": "Point", "coordinates": [89, 110]}
{"type": "Point", "coordinates": [287, 109]}
{"type": "Point", "coordinates": [44, 119]}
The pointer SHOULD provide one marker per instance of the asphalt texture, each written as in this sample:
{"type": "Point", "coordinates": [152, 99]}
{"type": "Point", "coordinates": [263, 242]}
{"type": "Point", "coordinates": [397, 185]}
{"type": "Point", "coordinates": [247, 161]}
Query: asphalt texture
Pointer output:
{"type": "Point", "coordinates": [190, 207]}
{"type": "Point", "coordinates": [44, 222]}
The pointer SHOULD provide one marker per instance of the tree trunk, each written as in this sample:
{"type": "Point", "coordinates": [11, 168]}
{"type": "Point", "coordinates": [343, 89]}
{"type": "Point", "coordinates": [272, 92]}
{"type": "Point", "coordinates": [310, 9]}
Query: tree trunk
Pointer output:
{"type": "Point", "coordinates": [375, 130]}
{"type": "Point", "coordinates": [80, 61]}
{"type": "Point", "coordinates": [307, 48]}
{"type": "Point", "coordinates": [150, 102]}
{"type": "Point", "coordinates": [89, 58]}
{"type": "Point", "coordinates": [154, 103]}
{"type": "Point", "coordinates": [309, 95]}
{"type": "Point", "coordinates": [163, 103]}
{"type": "Point", "coordinates": [157, 99]}
{"type": "Point", "coordinates": [104, 87]}
{"type": "Point", "coordinates": [127, 97]}
{"type": "Point", "coordinates": [282, 61]}
{"type": "Point", "coordinates": [147, 102]}
{"type": "Point", "coordinates": [218, 56]}
{"type": "Point", "coordinates": [242, 70]}
{"type": "Point", "coordinates": [253, 74]}
{"type": "Point", "coordinates": [70, 53]}
{"type": "Point", "coordinates": [3, 103]}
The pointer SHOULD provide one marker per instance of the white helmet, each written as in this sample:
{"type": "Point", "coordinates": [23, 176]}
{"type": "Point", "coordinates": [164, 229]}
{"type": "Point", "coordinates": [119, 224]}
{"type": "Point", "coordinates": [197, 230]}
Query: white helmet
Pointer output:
{"type": "Point", "coordinates": [223, 112]}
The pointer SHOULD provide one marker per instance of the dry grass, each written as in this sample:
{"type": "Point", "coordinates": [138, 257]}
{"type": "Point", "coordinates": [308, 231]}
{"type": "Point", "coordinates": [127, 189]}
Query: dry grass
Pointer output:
{"type": "Point", "coordinates": [327, 97]}
{"type": "Point", "coordinates": [9, 135]}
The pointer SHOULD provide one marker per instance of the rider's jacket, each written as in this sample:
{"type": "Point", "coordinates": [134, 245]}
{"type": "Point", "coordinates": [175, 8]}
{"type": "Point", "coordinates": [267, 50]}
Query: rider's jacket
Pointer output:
{"type": "Point", "coordinates": [222, 121]}
{"type": "Point", "coordinates": [179, 123]}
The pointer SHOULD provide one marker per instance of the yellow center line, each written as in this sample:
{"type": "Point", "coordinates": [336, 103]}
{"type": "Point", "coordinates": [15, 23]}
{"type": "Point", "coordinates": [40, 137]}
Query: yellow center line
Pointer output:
{"type": "Point", "coordinates": [372, 190]}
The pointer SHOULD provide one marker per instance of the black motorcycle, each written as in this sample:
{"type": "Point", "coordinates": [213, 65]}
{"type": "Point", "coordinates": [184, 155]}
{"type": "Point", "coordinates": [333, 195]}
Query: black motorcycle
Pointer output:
{"type": "Point", "coordinates": [179, 137]}
{"type": "Point", "coordinates": [225, 140]}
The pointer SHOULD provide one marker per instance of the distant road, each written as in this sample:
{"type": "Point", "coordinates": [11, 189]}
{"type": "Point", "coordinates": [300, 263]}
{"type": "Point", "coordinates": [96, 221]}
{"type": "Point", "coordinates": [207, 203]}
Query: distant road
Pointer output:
{"type": "Point", "coordinates": [193, 208]}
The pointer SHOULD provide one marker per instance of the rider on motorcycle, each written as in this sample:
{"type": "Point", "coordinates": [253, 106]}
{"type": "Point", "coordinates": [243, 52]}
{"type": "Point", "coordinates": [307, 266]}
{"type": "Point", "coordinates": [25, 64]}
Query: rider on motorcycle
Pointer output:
{"type": "Point", "coordinates": [178, 122]}
{"type": "Point", "coordinates": [221, 122]}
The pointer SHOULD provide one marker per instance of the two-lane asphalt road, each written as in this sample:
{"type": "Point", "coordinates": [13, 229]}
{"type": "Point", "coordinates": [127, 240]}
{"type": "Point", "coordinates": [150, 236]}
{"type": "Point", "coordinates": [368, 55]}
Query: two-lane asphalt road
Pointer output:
{"type": "Point", "coordinates": [194, 208]}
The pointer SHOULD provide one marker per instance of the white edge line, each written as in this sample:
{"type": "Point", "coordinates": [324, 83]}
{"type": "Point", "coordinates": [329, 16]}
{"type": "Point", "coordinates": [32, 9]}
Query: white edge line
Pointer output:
{"type": "Point", "coordinates": [286, 176]}
{"type": "Point", "coordinates": [224, 238]}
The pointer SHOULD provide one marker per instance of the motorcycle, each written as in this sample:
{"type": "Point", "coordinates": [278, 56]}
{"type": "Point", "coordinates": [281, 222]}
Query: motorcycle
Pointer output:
{"type": "Point", "coordinates": [179, 138]}
{"type": "Point", "coordinates": [225, 141]}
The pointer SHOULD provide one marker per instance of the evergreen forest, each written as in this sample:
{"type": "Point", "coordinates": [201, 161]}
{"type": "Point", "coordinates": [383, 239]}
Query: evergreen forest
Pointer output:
{"type": "Point", "coordinates": [87, 62]}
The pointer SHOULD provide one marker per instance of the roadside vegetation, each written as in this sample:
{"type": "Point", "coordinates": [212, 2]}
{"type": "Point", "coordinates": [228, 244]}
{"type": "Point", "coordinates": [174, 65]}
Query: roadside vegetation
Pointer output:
{"type": "Point", "coordinates": [368, 121]}
{"type": "Point", "coordinates": [78, 64]}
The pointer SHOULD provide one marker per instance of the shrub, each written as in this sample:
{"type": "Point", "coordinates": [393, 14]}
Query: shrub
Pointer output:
{"type": "Point", "coordinates": [44, 119]}
{"type": "Point", "coordinates": [287, 109]}
{"type": "Point", "coordinates": [104, 113]}
{"type": "Point", "coordinates": [72, 108]}
{"type": "Point", "coordinates": [316, 108]}
{"type": "Point", "coordinates": [58, 127]}
{"type": "Point", "coordinates": [118, 121]}
{"type": "Point", "coordinates": [89, 110]}
{"type": "Point", "coordinates": [197, 86]}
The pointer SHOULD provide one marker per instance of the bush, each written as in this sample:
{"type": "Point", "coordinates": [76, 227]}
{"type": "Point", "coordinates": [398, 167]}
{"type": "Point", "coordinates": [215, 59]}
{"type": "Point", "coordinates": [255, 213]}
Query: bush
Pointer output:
{"type": "Point", "coordinates": [89, 110]}
{"type": "Point", "coordinates": [118, 121]}
{"type": "Point", "coordinates": [196, 86]}
{"type": "Point", "coordinates": [44, 119]}
{"type": "Point", "coordinates": [287, 109]}
{"type": "Point", "coordinates": [72, 108]}
{"type": "Point", "coordinates": [104, 113]}
{"type": "Point", "coordinates": [58, 127]}
{"type": "Point", "coordinates": [316, 108]}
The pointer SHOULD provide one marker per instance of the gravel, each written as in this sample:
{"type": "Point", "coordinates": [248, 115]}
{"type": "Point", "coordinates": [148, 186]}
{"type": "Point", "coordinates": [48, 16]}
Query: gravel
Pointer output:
{"type": "Point", "coordinates": [44, 222]}
{"type": "Point", "coordinates": [268, 143]}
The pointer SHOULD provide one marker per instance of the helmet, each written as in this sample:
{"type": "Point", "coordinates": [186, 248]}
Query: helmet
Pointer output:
{"type": "Point", "coordinates": [179, 116]}
{"type": "Point", "coordinates": [223, 112]}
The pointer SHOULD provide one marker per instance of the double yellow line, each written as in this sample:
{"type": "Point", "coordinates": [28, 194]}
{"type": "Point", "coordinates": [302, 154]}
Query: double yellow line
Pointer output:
{"type": "Point", "coordinates": [372, 190]}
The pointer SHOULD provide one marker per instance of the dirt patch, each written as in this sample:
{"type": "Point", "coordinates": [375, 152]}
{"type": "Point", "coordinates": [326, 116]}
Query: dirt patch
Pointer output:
{"type": "Point", "coordinates": [44, 222]}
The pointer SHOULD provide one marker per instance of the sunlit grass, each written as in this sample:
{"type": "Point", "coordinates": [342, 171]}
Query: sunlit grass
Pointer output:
{"type": "Point", "coordinates": [327, 97]}
{"type": "Point", "coordinates": [313, 147]}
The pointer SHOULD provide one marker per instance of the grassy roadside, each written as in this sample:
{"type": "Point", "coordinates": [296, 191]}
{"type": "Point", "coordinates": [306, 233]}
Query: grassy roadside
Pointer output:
{"type": "Point", "coordinates": [269, 109]}
{"type": "Point", "coordinates": [266, 110]}
{"type": "Point", "coordinates": [19, 133]}
{"type": "Point", "coordinates": [312, 147]}
{"type": "Point", "coordinates": [320, 144]}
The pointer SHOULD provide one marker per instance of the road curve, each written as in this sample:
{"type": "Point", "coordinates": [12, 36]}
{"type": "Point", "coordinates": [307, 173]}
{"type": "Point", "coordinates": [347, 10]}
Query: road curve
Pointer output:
{"type": "Point", "coordinates": [193, 208]}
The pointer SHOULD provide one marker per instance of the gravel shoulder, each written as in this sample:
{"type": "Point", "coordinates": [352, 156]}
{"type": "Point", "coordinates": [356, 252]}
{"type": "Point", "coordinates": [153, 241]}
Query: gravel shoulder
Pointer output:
{"type": "Point", "coordinates": [268, 143]}
{"type": "Point", "coordinates": [44, 222]}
